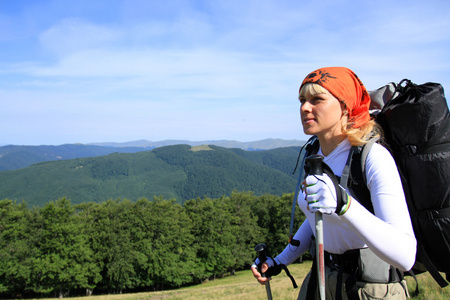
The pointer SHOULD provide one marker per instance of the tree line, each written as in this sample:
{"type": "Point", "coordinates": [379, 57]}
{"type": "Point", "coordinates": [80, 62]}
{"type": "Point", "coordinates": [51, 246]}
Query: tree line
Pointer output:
{"type": "Point", "coordinates": [120, 245]}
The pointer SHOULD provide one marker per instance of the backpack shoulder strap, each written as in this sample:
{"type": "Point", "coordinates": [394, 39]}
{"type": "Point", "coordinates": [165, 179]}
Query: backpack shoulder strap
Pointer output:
{"type": "Point", "coordinates": [364, 153]}
{"type": "Point", "coordinates": [354, 174]}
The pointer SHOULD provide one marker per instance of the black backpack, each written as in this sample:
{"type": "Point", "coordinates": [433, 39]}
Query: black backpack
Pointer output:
{"type": "Point", "coordinates": [416, 123]}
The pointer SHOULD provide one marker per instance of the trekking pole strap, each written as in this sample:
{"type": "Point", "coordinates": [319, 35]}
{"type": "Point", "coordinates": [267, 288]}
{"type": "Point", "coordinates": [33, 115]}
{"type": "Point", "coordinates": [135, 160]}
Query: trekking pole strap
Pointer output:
{"type": "Point", "coordinates": [289, 275]}
{"type": "Point", "coordinates": [307, 149]}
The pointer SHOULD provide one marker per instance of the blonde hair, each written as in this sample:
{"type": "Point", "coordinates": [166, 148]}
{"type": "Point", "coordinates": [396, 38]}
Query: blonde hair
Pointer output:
{"type": "Point", "coordinates": [361, 135]}
{"type": "Point", "coordinates": [312, 89]}
{"type": "Point", "coordinates": [356, 136]}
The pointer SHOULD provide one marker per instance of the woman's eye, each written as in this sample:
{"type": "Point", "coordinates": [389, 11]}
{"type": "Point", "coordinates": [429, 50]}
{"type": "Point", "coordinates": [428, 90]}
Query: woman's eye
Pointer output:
{"type": "Point", "coordinates": [316, 99]}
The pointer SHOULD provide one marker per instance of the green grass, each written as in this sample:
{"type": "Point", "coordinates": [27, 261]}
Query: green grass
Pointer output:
{"type": "Point", "coordinates": [428, 288]}
{"type": "Point", "coordinates": [244, 286]}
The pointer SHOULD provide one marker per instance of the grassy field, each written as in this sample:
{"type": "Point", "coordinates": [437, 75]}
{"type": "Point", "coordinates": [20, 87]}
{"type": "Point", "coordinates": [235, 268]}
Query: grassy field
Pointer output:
{"type": "Point", "coordinates": [243, 286]}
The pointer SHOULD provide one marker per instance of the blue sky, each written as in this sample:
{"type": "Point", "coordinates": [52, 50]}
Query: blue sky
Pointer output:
{"type": "Point", "coordinates": [115, 71]}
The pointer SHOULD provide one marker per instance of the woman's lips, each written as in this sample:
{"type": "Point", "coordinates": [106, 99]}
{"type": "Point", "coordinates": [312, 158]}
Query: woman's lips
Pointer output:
{"type": "Point", "coordinates": [308, 120]}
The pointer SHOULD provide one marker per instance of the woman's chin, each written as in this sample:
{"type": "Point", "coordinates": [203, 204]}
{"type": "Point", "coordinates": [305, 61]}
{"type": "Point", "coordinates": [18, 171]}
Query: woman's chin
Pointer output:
{"type": "Point", "coordinates": [309, 131]}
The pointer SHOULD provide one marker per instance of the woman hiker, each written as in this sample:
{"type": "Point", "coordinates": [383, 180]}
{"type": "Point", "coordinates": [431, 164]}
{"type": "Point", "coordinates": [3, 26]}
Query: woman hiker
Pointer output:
{"type": "Point", "coordinates": [365, 252]}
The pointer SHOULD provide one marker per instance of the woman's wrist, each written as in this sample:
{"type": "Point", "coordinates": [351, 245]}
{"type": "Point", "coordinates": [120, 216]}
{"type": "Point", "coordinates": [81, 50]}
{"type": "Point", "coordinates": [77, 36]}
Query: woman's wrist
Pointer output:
{"type": "Point", "coordinates": [346, 206]}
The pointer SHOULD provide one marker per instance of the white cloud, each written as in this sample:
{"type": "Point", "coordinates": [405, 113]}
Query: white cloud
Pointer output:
{"type": "Point", "coordinates": [72, 35]}
{"type": "Point", "coordinates": [209, 70]}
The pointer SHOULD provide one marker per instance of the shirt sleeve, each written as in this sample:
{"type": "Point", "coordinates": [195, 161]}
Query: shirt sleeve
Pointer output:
{"type": "Point", "coordinates": [388, 232]}
{"type": "Point", "coordinates": [291, 253]}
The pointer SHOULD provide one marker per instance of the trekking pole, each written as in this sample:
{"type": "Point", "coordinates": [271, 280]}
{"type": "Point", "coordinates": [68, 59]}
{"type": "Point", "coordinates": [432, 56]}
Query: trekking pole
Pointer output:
{"type": "Point", "coordinates": [315, 165]}
{"type": "Point", "coordinates": [262, 255]}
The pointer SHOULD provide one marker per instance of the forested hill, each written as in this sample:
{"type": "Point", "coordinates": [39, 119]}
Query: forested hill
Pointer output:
{"type": "Point", "coordinates": [178, 172]}
{"type": "Point", "coordinates": [14, 157]}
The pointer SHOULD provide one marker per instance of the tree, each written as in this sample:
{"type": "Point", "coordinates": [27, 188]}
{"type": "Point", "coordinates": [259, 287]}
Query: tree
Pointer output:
{"type": "Point", "coordinates": [110, 241]}
{"type": "Point", "coordinates": [171, 253]}
{"type": "Point", "coordinates": [64, 259]}
{"type": "Point", "coordinates": [248, 233]}
{"type": "Point", "coordinates": [215, 235]}
{"type": "Point", "coordinates": [16, 247]}
{"type": "Point", "coordinates": [274, 217]}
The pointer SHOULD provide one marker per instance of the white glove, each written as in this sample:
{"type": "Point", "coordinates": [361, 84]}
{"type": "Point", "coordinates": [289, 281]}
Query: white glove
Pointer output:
{"type": "Point", "coordinates": [321, 195]}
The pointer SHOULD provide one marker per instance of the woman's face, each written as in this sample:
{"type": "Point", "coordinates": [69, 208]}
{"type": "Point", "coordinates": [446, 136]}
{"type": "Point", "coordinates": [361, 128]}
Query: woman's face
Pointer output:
{"type": "Point", "coordinates": [321, 115]}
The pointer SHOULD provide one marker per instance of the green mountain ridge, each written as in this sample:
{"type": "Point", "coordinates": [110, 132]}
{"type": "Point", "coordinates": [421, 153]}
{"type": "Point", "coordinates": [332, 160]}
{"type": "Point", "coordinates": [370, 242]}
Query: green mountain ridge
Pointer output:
{"type": "Point", "coordinates": [14, 157]}
{"type": "Point", "coordinates": [174, 172]}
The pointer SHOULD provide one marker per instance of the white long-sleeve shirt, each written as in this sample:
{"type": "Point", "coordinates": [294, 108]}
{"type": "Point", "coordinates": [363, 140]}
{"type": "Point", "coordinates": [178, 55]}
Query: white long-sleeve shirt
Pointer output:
{"type": "Point", "coordinates": [388, 232]}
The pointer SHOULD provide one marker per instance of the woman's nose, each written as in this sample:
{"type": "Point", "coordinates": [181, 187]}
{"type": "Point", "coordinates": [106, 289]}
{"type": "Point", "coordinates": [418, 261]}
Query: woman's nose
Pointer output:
{"type": "Point", "coordinates": [305, 107]}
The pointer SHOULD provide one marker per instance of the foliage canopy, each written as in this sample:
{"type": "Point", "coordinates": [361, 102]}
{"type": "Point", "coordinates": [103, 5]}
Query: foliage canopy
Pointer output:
{"type": "Point", "coordinates": [120, 245]}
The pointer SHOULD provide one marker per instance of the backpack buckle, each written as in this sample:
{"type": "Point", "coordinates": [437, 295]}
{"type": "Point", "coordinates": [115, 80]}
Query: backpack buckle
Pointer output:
{"type": "Point", "coordinates": [409, 149]}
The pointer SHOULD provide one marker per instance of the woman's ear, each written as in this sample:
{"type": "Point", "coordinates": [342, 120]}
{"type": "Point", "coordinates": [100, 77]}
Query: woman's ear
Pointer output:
{"type": "Point", "coordinates": [344, 118]}
{"type": "Point", "coordinates": [344, 110]}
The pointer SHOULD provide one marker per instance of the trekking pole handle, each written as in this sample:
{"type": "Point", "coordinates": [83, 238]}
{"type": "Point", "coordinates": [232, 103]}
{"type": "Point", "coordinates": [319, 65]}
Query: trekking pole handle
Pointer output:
{"type": "Point", "coordinates": [262, 255]}
{"type": "Point", "coordinates": [314, 162]}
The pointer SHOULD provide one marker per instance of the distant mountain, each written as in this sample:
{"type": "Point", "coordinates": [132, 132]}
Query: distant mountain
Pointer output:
{"type": "Point", "coordinates": [14, 157]}
{"type": "Point", "coordinates": [265, 144]}
{"type": "Point", "coordinates": [181, 172]}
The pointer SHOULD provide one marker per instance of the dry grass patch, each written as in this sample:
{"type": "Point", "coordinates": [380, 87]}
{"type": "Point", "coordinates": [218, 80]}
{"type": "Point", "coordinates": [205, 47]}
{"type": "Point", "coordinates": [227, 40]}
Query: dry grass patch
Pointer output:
{"type": "Point", "coordinates": [200, 148]}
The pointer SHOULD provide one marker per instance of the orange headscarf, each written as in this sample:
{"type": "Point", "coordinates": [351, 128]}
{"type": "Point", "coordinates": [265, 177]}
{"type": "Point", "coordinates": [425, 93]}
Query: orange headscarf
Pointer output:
{"type": "Point", "coordinates": [345, 86]}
